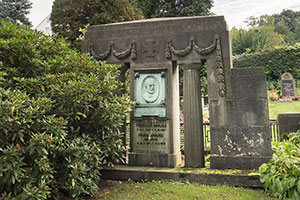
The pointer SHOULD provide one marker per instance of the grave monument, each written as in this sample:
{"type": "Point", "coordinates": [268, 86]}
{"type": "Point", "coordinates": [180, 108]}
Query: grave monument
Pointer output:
{"type": "Point", "coordinates": [287, 85]}
{"type": "Point", "coordinates": [154, 50]}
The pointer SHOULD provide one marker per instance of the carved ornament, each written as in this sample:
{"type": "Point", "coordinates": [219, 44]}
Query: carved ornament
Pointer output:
{"type": "Point", "coordinates": [220, 72]}
{"type": "Point", "coordinates": [131, 51]}
{"type": "Point", "coordinates": [180, 53]}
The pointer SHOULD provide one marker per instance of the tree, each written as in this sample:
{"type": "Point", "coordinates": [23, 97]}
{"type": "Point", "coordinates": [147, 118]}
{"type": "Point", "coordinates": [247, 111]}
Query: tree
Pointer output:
{"type": "Point", "coordinates": [290, 18]}
{"type": "Point", "coordinates": [286, 23]}
{"type": "Point", "coordinates": [15, 11]}
{"type": "Point", "coordinates": [174, 8]}
{"type": "Point", "coordinates": [68, 16]}
{"type": "Point", "coordinates": [255, 39]}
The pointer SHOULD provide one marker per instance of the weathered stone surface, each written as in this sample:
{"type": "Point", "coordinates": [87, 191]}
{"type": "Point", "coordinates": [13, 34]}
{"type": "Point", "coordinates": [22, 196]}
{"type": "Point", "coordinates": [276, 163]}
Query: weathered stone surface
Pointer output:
{"type": "Point", "coordinates": [238, 162]}
{"type": "Point", "coordinates": [243, 140]}
{"type": "Point", "coordinates": [154, 131]}
{"type": "Point", "coordinates": [288, 122]}
{"type": "Point", "coordinates": [151, 135]}
{"type": "Point", "coordinates": [287, 85]}
{"type": "Point", "coordinates": [152, 158]}
{"type": "Point", "coordinates": [240, 141]}
{"type": "Point", "coordinates": [146, 41]}
{"type": "Point", "coordinates": [193, 131]}
{"type": "Point", "coordinates": [237, 97]}
{"type": "Point", "coordinates": [147, 173]}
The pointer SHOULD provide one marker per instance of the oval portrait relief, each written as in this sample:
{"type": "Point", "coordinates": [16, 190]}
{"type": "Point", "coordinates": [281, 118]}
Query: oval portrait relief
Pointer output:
{"type": "Point", "coordinates": [150, 89]}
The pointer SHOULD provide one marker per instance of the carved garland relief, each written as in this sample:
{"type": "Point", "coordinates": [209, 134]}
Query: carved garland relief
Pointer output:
{"type": "Point", "coordinates": [220, 73]}
{"type": "Point", "coordinates": [169, 52]}
{"type": "Point", "coordinates": [131, 51]}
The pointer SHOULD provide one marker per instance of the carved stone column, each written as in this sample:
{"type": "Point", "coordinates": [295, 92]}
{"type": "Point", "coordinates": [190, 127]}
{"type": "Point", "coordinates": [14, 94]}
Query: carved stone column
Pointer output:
{"type": "Point", "coordinates": [192, 109]}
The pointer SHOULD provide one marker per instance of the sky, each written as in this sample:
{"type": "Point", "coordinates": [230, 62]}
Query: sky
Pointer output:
{"type": "Point", "coordinates": [235, 11]}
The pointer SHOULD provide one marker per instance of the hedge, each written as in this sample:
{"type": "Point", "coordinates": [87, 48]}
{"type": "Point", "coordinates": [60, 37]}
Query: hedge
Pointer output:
{"type": "Point", "coordinates": [275, 62]}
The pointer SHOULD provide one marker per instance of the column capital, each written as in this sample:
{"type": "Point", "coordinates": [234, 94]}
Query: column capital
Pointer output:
{"type": "Point", "coordinates": [191, 66]}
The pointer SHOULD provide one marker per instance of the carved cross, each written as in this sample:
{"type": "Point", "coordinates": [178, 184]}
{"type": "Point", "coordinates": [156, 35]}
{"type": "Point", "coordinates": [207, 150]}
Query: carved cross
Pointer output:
{"type": "Point", "coordinates": [150, 47]}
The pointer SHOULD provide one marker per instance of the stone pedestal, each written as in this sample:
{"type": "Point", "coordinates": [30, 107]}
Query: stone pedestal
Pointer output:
{"type": "Point", "coordinates": [154, 125]}
{"type": "Point", "coordinates": [243, 141]}
{"type": "Point", "coordinates": [193, 125]}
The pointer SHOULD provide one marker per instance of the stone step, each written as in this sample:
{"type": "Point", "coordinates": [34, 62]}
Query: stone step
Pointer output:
{"type": "Point", "coordinates": [124, 173]}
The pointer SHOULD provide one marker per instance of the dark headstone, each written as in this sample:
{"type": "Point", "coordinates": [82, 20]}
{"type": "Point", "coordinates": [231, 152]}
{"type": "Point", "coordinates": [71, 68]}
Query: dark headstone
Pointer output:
{"type": "Point", "coordinates": [287, 85]}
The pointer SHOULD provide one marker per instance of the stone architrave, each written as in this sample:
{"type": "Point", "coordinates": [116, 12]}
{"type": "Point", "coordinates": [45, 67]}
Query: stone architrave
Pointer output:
{"type": "Point", "coordinates": [155, 49]}
{"type": "Point", "coordinates": [287, 85]}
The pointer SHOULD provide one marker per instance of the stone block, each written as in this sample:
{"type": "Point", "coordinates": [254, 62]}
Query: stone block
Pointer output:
{"type": "Point", "coordinates": [238, 162]}
{"type": "Point", "coordinates": [154, 159]}
{"type": "Point", "coordinates": [288, 122]}
{"type": "Point", "coordinates": [250, 112]}
{"type": "Point", "coordinates": [240, 141]}
{"type": "Point", "coordinates": [248, 83]}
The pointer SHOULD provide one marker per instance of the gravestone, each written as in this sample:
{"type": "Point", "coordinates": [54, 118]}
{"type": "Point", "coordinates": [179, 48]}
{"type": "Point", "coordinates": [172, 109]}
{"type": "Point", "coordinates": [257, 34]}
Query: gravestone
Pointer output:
{"type": "Point", "coordinates": [154, 50]}
{"type": "Point", "coordinates": [241, 138]}
{"type": "Point", "coordinates": [288, 122]}
{"type": "Point", "coordinates": [287, 85]}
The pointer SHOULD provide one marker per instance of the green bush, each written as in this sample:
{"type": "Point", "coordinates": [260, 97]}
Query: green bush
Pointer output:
{"type": "Point", "coordinates": [59, 117]}
{"type": "Point", "coordinates": [275, 62]}
{"type": "Point", "coordinates": [281, 175]}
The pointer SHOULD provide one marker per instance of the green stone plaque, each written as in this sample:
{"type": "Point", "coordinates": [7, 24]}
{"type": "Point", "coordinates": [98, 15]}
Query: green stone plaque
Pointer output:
{"type": "Point", "coordinates": [150, 93]}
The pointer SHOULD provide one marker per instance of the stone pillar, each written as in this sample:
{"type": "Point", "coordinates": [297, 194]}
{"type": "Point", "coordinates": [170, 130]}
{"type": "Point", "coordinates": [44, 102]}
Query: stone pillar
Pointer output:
{"type": "Point", "coordinates": [154, 122]}
{"type": "Point", "coordinates": [192, 110]}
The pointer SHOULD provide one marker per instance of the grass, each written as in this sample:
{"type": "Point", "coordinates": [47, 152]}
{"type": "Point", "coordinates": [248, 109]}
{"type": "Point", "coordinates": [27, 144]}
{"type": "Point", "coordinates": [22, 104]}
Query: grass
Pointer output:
{"type": "Point", "coordinates": [276, 107]}
{"type": "Point", "coordinates": [175, 190]}
{"type": "Point", "coordinates": [207, 170]}
{"type": "Point", "coordinates": [281, 107]}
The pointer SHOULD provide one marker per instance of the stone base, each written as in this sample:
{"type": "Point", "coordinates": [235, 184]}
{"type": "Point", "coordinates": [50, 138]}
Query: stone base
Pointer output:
{"type": "Point", "coordinates": [123, 173]}
{"type": "Point", "coordinates": [154, 159]}
{"type": "Point", "coordinates": [237, 162]}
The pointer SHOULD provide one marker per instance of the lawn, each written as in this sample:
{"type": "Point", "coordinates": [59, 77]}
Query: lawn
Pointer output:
{"type": "Point", "coordinates": [174, 190]}
{"type": "Point", "coordinates": [282, 107]}
{"type": "Point", "coordinates": [276, 107]}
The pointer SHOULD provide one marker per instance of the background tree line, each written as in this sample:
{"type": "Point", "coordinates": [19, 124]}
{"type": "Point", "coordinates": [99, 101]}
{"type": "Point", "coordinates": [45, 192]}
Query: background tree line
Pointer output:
{"type": "Point", "coordinates": [266, 32]}
{"type": "Point", "coordinates": [271, 41]}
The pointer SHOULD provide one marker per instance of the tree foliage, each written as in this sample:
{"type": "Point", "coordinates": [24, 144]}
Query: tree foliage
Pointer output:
{"type": "Point", "coordinates": [267, 31]}
{"type": "Point", "coordinates": [254, 39]}
{"type": "Point", "coordinates": [59, 117]}
{"type": "Point", "coordinates": [15, 11]}
{"type": "Point", "coordinates": [174, 8]}
{"type": "Point", "coordinates": [68, 16]}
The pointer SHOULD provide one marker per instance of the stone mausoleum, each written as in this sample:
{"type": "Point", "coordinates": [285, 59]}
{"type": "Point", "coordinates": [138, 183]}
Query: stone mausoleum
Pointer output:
{"type": "Point", "coordinates": [153, 51]}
